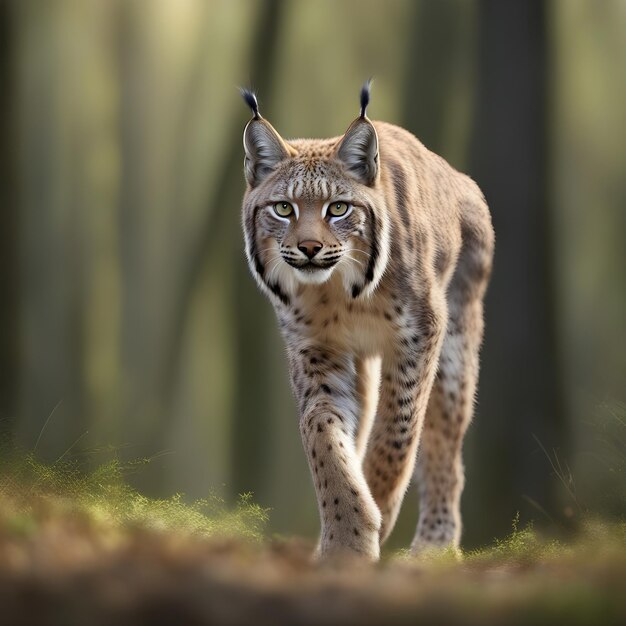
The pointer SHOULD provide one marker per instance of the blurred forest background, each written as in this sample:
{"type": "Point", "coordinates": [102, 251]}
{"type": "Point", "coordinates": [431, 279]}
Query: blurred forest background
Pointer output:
{"type": "Point", "coordinates": [128, 320]}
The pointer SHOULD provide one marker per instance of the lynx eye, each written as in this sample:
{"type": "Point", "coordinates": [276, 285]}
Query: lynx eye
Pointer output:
{"type": "Point", "coordinates": [283, 209]}
{"type": "Point", "coordinates": [337, 209]}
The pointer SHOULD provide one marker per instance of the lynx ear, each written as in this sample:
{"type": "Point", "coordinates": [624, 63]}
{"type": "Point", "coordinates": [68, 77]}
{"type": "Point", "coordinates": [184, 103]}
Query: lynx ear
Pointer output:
{"type": "Point", "coordinates": [263, 146]}
{"type": "Point", "coordinates": [264, 149]}
{"type": "Point", "coordinates": [358, 151]}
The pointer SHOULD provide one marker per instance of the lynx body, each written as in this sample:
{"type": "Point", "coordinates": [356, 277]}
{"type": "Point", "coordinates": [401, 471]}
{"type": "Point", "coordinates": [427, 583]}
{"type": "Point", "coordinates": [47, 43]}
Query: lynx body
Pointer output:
{"type": "Point", "coordinates": [376, 255]}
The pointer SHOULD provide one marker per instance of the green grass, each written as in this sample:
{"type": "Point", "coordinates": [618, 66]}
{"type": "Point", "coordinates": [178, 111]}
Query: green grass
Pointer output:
{"type": "Point", "coordinates": [31, 490]}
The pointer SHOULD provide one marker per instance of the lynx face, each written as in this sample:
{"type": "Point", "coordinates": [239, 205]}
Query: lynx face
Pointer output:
{"type": "Point", "coordinates": [310, 210]}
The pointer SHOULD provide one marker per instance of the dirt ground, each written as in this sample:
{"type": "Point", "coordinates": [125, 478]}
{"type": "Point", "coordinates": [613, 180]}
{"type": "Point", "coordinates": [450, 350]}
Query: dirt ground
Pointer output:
{"type": "Point", "coordinates": [84, 548]}
{"type": "Point", "coordinates": [68, 571]}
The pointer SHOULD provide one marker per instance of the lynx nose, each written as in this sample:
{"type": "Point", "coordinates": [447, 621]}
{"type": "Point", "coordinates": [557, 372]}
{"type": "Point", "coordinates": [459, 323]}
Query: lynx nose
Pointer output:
{"type": "Point", "coordinates": [310, 248]}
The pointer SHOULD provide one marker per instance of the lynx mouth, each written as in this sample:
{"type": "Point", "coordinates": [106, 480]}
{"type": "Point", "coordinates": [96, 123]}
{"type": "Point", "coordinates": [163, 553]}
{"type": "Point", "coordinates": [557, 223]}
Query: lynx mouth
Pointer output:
{"type": "Point", "coordinates": [311, 267]}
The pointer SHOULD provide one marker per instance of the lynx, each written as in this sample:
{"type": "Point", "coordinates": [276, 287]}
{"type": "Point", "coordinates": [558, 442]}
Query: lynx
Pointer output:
{"type": "Point", "coordinates": [375, 254]}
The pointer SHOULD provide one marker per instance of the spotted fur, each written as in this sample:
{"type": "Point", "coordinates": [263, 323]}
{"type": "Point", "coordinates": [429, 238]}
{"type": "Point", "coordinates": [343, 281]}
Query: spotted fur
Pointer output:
{"type": "Point", "coordinates": [382, 326]}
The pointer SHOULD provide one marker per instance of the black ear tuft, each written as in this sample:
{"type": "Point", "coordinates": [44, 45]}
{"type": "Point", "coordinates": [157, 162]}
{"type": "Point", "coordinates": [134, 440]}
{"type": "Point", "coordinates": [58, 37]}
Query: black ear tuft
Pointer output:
{"type": "Point", "coordinates": [365, 96]}
{"type": "Point", "coordinates": [250, 98]}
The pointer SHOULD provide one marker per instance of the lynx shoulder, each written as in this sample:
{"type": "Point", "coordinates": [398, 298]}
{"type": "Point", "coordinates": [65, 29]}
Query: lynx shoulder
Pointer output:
{"type": "Point", "coordinates": [375, 254]}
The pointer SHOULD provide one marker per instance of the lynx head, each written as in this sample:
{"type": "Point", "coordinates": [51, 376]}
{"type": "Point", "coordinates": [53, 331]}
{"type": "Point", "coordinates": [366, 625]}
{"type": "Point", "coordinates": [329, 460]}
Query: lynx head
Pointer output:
{"type": "Point", "coordinates": [314, 209]}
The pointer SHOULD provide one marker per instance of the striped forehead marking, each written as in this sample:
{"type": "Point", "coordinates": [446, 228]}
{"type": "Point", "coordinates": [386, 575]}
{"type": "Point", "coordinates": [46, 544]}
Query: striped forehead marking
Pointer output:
{"type": "Point", "coordinates": [309, 185]}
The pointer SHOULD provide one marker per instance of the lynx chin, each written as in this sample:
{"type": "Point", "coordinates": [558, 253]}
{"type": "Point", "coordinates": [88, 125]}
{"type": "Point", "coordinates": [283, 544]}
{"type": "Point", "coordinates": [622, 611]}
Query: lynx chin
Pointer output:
{"type": "Point", "coordinates": [375, 254]}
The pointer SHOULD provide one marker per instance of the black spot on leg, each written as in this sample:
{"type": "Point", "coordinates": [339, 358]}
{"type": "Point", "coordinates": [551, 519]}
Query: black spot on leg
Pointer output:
{"type": "Point", "coordinates": [326, 389]}
{"type": "Point", "coordinates": [356, 532]}
{"type": "Point", "coordinates": [409, 364]}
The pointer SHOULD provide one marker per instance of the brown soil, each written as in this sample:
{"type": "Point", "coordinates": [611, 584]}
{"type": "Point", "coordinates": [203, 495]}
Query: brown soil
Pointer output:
{"type": "Point", "coordinates": [69, 572]}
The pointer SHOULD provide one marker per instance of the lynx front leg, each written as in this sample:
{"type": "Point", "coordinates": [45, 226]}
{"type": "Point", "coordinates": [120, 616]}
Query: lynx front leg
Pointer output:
{"type": "Point", "coordinates": [325, 385]}
{"type": "Point", "coordinates": [408, 371]}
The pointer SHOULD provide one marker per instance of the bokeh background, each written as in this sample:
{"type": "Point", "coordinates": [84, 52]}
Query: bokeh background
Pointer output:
{"type": "Point", "coordinates": [128, 321]}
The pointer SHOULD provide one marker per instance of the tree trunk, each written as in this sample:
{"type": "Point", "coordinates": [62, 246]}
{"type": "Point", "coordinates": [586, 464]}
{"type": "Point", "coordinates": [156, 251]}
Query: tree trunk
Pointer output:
{"type": "Point", "coordinates": [520, 390]}
{"type": "Point", "coordinates": [9, 353]}
{"type": "Point", "coordinates": [256, 349]}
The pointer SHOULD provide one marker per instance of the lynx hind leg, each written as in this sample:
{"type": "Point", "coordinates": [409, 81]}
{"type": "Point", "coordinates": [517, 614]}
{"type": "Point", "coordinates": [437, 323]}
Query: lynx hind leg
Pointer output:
{"type": "Point", "coordinates": [439, 471]}
{"type": "Point", "coordinates": [439, 468]}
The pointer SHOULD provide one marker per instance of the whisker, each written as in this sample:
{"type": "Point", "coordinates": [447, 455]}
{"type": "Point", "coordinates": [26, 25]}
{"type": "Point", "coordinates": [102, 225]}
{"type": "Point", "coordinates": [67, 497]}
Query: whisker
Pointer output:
{"type": "Point", "coordinates": [276, 262]}
{"type": "Point", "coordinates": [361, 251]}
{"type": "Point", "coordinates": [347, 256]}
{"type": "Point", "coordinates": [273, 257]}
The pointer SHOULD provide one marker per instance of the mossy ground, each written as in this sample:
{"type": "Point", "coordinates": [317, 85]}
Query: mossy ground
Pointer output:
{"type": "Point", "coordinates": [80, 548]}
